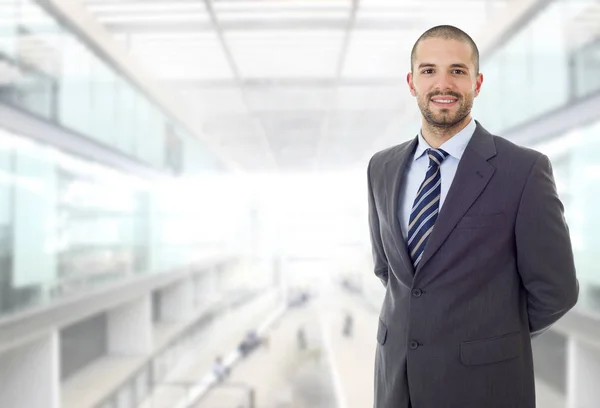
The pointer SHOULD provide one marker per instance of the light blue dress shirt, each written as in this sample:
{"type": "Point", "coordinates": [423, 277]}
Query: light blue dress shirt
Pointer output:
{"type": "Point", "coordinates": [415, 172]}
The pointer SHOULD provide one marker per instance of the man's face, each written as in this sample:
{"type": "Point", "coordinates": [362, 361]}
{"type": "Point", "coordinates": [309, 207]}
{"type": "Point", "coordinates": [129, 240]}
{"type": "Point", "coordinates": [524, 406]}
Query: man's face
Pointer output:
{"type": "Point", "coordinates": [444, 81]}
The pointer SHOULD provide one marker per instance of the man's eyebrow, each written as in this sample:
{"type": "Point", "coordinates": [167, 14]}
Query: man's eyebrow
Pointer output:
{"type": "Point", "coordinates": [432, 65]}
{"type": "Point", "coordinates": [457, 65]}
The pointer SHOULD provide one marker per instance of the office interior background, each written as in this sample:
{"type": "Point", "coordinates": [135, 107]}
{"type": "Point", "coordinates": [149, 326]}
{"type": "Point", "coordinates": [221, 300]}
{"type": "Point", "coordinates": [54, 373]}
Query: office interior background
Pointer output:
{"type": "Point", "coordinates": [176, 175]}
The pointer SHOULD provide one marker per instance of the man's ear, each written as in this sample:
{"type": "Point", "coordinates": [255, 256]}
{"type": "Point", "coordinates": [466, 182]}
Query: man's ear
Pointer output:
{"type": "Point", "coordinates": [411, 85]}
{"type": "Point", "coordinates": [478, 84]}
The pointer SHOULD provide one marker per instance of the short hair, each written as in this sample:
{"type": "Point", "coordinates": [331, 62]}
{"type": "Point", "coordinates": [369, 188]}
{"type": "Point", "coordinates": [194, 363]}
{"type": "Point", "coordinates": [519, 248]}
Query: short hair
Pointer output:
{"type": "Point", "coordinates": [447, 32]}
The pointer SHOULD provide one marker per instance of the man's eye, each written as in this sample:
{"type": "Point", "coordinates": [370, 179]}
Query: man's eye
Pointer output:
{"type": "Point", "coordinates": [458, 71]}
{"type": "Point", "coordinates": [427, 71]}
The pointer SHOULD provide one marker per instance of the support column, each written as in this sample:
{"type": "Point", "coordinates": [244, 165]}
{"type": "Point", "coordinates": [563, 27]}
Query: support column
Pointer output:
{"type": "Point", "coordinates": [29, 375]}
{"type": "Point", "coordinates": [202, 290]}
{"type": "Point", "coordinates": [130, 328]}
{"type": "Point", "coordinates": [217, 278]}
{"type": "Point", "coordinates": [177, 301]}
{"type": "Point", "coordinates": [213, 284]}
{"type": "Point", "coordinates": [583, 375]}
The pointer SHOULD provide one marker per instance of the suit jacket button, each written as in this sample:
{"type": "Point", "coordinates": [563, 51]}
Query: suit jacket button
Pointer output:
{"type": "Point", "coordinates": [417, 292]}
{"type": "Point", "coordinates": [414, 345]}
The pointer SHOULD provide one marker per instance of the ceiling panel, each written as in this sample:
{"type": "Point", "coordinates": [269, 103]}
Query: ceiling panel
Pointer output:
{"type": "Point", "coordinates": [293, 128]}
{"type": "Point", "coordinates": [373, 54]}
{"type": "Point", "coordinates": [289, 16]}
{"type": "Point", "coordinates": [373, 98]}
{"type": "Point", "coordinates": [226, 128]}
{"type": "Point", "coordinates": [296, 99]}
{"type": "Point", "coordinates": [251, 156]}
{"type": "Point", "coordinates": [171, 17]}
{"type": "Point", "coordinates": [286, 54]}
{"type": "Point", "coordinates": [349, 125]}
{"type": "Point", "coordinates": [210, 102]}
{"type": "Point", "coordinates": [293, 137]}
{"type": "Point", "coordinates": [465, 6]}
{"type": "Point", "coordinates": [157, 12]}
{"type": "Point", "coordinates": [277, 5]}
{"type": "Point", "coordinates": [143, 8]}
{"type": "Point", "coordinates": [288, 105]}
{"type": "Point", "coordinates": [349, 134]}
{"type": "Point", "coordinates": [582, 23]}
{"type": "Point", "coordinates": [181, 55]}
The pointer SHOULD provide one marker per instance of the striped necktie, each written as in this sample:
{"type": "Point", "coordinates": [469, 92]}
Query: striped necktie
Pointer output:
{"type": "Point", "coordinates": [426, 206]}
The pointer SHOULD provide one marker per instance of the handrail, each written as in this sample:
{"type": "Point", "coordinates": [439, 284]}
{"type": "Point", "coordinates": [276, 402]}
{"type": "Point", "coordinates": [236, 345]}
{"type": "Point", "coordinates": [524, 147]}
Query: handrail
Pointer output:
{"type": "Point", "coordinates": [211, 313]}
{"type": "Point", "coordinates": [209, 380]}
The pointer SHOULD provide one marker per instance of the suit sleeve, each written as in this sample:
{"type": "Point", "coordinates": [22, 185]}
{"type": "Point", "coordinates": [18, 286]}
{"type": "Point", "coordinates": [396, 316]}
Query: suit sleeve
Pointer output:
{"type": "Point", "coordinates": [544, 253]}
{"type": "Point", "coordinates": [379, 259]}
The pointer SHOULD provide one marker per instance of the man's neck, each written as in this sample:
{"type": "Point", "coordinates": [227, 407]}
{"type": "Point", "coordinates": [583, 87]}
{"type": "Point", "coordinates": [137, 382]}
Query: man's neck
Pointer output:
{"type": "Point", "coordinates": [436, 136]}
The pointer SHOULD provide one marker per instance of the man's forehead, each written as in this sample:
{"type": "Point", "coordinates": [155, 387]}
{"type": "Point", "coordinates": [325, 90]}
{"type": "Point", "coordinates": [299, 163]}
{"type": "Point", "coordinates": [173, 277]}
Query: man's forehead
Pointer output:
{"type": "Point", "coordinates": [456, 64]}
{"type": "Point", "coordinates": [441, 51]}
{"type": "Point", "coordinates": [436, 43]}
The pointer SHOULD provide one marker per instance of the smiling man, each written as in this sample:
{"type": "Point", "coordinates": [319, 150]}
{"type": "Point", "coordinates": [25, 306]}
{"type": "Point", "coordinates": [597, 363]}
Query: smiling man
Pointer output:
{"type": "Point", "coordinates": [470, 241]}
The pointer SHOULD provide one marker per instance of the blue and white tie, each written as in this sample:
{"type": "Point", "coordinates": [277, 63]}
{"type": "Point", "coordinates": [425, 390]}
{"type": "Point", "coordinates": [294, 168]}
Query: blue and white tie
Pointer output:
{"type": "Point", "coordinates": [426, 207]}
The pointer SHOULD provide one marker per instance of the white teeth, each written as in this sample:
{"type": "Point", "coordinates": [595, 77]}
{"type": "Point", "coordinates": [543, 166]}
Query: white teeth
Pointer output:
{"type": "Point", "coordinates": [443, 100]}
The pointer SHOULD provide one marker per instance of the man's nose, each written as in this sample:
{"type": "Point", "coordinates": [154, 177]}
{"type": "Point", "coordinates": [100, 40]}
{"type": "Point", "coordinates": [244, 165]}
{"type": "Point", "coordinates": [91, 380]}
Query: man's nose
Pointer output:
{"type": "Point", "coordinates": [444, 82]}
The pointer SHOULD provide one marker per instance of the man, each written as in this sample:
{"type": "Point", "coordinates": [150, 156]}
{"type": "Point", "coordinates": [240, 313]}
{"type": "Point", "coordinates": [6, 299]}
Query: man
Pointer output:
{"type": "Point", "coordinates": [464, 298]}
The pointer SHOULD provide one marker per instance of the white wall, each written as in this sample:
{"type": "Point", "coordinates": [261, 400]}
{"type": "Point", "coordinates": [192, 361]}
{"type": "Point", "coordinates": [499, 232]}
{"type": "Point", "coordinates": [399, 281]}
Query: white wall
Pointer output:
{"type": "Point", "coordinates": [29, 375]}
{"type": "Point", "coordinates": [130, 328]}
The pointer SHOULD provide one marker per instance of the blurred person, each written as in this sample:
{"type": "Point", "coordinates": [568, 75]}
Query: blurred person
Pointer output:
{"type": "Point", "coordinates": [250, 342]}
{"type": "Point", "coordinates": [348, 325]}
{"type": "Point", "coordinates": [301, 338]}
{"type": "Point", "coordinates": [464, 298]}
{"type": "Point", "coordinates": [219, 369]}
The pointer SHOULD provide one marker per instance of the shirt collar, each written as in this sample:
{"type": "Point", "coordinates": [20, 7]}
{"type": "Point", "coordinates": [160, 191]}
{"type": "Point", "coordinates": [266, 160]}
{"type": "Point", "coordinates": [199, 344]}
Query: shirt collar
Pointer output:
{"type": "Point", "coordinates": [455, 146]}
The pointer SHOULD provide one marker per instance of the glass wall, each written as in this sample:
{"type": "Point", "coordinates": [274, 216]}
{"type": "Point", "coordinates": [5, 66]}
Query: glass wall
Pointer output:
{"type": "Point", "coordinates": [577, 172]}
{"type": "Point", "coordinates": [67, 224]}
{"type": "Point", "coordinates": [586, 68]}
{"type": "Point", "coordinates": [46, 70]}
{"type": "Point", "coordinates": [551, 62]}
{"type": "Point", "coordinates": [547, 64]}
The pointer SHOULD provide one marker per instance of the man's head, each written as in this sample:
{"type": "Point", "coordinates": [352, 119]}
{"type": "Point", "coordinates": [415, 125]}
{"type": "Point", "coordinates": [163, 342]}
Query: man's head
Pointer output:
{"type": "Point", "coordinates": [445, 75]}
{"type": "Point", "coordinates": [447, 32]}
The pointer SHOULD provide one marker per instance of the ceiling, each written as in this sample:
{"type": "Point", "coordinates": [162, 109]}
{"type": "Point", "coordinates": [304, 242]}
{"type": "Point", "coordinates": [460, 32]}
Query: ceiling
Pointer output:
{"type": "Point", "coordinates": [289, 85]}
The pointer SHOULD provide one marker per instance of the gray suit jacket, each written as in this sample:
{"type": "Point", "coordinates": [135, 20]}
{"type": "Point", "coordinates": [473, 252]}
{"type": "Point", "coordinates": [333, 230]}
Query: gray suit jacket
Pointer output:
{"type": "Point", "coordinates": [498, 268]}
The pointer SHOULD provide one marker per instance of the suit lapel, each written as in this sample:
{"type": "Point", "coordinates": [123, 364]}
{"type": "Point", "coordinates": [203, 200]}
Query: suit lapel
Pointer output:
{"type": "Point", "coordinates": [394, 170]}
{"type": "Point", "coordinates": [472, 175]}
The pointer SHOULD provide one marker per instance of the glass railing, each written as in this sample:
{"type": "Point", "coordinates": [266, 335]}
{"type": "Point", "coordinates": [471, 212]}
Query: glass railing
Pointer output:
{"type": "Point", "coordinates": [576, 168]}
{"type": "Point", "coordinates": [46, 70]}
{"type": "Point", "coordinates": [69, 225]}
{"type": "Point", "coordinates": [546, 65]}
{"type": "Point", "coordinates": [586, 69]}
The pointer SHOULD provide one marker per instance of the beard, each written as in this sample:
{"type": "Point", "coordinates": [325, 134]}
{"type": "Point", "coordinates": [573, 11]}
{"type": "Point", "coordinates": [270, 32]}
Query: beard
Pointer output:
{"type": "Point", "coordinates": [444, 118]}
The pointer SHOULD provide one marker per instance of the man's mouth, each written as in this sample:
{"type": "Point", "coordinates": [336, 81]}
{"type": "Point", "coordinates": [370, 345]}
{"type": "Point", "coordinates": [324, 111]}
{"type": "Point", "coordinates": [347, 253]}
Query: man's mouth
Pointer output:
{"type": "Point", "coordinates": [444, 101]}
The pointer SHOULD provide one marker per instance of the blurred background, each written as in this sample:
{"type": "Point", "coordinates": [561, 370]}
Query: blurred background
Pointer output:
{"type": "Point", "coordinates": [183, 208]}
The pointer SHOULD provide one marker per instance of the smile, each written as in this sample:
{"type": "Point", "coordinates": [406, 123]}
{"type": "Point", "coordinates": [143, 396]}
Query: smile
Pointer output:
{"type": "Point", "coordinates": [444, 102]}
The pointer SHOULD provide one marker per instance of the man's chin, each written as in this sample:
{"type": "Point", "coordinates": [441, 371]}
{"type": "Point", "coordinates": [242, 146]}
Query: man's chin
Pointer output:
{"type": "Point", "coordinates": [443, 122]}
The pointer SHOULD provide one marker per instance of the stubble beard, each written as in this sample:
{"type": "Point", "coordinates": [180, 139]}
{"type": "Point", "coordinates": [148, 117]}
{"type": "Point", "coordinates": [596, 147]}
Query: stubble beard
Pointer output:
{"type": "Point", "coordinates": [445, 120]}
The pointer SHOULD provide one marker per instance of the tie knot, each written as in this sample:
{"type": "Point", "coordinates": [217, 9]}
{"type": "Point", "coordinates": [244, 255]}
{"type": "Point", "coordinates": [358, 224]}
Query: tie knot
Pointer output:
{"type": "Point", "coordinates": [436, 156]}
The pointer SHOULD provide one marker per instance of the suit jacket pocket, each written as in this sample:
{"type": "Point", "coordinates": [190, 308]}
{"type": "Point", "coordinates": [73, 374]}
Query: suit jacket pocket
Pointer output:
{"type": "Point", "coordinates": [491, 350]}
{"type": "Point", "coordinates": [480, 221]}
{"type": "Point", "coordinates": [381, 332]}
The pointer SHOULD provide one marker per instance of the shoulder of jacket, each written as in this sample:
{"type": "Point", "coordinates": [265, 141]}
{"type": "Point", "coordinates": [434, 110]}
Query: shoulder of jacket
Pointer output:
{"type": "Point", "coordinates": [505, 146]}
{"type": "Point", "coordinates": [384, 155]}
